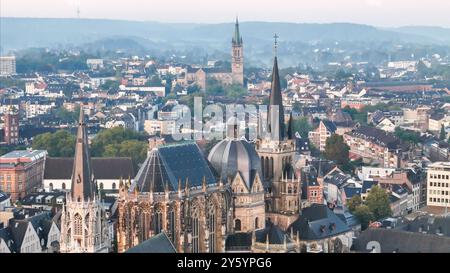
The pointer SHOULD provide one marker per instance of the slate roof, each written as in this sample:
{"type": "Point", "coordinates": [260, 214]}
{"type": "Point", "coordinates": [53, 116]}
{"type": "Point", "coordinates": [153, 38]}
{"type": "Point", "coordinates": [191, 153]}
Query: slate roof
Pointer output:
{"type": "Point", "coordinates": [6, 235]}
{"type": "Point", "coordinates": [429, 225]}
{"type": "Point", "coordinates": [18, 230]}
{"type": "Point", "coordinates": [402, 242]}
{"type": "Point", "coordinates": [367, 185]}
{"type": "Point", "coordinates": [173, 164]}
{"type": "Point", "coordinates": [157, 244]}
{"type": "Point", "coordinates": [103, 168]}
{"type": "Point", "coordinates": [352, 191]}
{"type": "Point", "coordinates": [239, 241]}
{"type": "Point", "coordinates": [318, 222]}
{"type": "Point", "coordinates": [274, 233]}
{"type": "Point", "coordinates": [376, 136]}
{"type": "Point", "coordinates": [331, 127]}
{"type": "Point", "coordinates": [3, 196]}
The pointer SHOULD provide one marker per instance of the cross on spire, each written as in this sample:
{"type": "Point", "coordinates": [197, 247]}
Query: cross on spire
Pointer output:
{"type": "Point", "coordinates": [275, 45]}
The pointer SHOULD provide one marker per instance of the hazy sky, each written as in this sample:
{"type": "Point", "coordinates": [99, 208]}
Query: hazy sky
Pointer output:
{"type": "Point", "coordinates": [373, 12]}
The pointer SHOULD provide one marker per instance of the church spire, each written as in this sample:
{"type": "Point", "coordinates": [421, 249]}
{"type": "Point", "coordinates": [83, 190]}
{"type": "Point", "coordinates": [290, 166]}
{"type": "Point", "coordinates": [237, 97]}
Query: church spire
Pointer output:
{"type": "Point", "coordinates": [275, 116]}
{"type": "Point", "coordinates": [82, 177]}
{"type": "Point", "coordinates": [237, 39]}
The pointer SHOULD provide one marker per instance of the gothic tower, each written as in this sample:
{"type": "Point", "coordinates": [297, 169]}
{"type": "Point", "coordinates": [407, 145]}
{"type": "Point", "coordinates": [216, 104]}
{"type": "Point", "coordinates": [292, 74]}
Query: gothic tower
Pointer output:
{"type": "Point", "coordinates": [83, 220]}
{"type": "Point", "coordinates": [237, 56]}
{"type": "Point", "coordinates": [276, 148]}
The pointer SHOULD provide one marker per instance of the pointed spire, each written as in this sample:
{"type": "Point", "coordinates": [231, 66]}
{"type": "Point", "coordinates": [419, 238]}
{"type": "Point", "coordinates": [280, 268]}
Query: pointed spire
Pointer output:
{"type": "Point", "coordinates": [237, 39]}
{"type": "Point", "coordinates": [83, 187]}
{"type": "Point", "coordinates": [290, 130]}
{"type": "Point", "coordinates": [275, 116]}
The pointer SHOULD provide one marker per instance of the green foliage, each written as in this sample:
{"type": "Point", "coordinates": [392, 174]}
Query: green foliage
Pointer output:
{"type": "Point", "coordinates": [193, 89]}
{"type": "Point", "coordinates": [235, 91]}
{"type": "Point", "coordinates": [341, 75]}
{"type": "Point", "coordinates": [302, 126]}
{"type": "Point", "coordinates": [361, 116]}
{"type": "Point", "coordinates": [110, 85]}
{"type": "Point", "coordinates": [442, 134]}
{"type": "Point", "coordinates": [67, 116]}
{"type": "Point", "coordinates": [378, 203]}
{"type": "Point", "coordinates": [337, 150]}
{"type": "Point", "coordinates": [59, 144]}
{"type": "Point", "coordinates": [120, 142]}
{"type": "Point", "coordinates": [364, 215]}
{"type": "Point", "coordinates": [39, 60]}
{"type": "Point", "coordinates": [215, 88]}
{"type": "Point", "coordinates": [154, 81]}
{"type": "Point", "coordinates": [354, 203]}
{"type": "Point", "coordinates": [407, 136]}
{"type": "Point", "coordinates": [356, 115]}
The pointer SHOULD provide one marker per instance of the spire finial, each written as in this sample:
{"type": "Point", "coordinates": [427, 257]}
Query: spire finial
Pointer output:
{"type": "Point", "coordinates": [275, 44]}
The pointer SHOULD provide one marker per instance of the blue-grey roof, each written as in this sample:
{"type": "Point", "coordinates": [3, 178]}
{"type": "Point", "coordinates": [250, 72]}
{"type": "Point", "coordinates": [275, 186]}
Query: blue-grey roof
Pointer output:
{"type": "Point", "coordinates": [367, 185]}
{"type": "Point", "coordinates": [171, 164]}
{"type": "Point", "coordinates": [318, 222]}
{"type": "Point", "coordinates": [272, 232]}
{"type": "Point", "coordinates": [157, 244]}
{"type": "Point", "coordinates": [3, 196]}
{"type": "Point", "coordinates": [351, 191]}
{"type": "Point", "coordinates": [330, 126]}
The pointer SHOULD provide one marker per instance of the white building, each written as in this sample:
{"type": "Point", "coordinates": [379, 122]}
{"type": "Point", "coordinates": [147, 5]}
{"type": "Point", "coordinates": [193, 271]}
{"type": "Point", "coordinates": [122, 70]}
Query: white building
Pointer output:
{"type": "Point", "coordinates": [7, 65]}
{"type": "Point", "coordinates": [438, 184]}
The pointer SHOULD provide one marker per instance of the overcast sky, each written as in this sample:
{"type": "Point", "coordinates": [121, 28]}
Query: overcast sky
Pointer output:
{"type": "Point", "coordinates": [372, 12]}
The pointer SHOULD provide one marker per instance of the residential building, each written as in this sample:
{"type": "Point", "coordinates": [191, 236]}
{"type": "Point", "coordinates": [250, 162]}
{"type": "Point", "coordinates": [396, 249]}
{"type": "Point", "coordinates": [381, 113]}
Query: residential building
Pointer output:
{"type": "Point", "coordinates": [374, 146]}
{"type": "Point", "coordinates": [22, 172]}
{"type": "Point", "coordinates": [438, 184]}
{"type": "Point", "coordinates": [7, 65]}
{"type": "Point", "coordinates": [319, 136]}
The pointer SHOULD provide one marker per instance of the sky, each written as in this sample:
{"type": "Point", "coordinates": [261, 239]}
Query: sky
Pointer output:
{"type": "Point", "coordinates": [382, 13]}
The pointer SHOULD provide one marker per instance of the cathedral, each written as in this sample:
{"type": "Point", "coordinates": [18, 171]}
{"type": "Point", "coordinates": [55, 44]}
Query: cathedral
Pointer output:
{"type": "Point", "coordinates": [241, 189]}
{"type": "Point", "coordinates": [84, 226]}
{"type": "Point", "coordinates": [224, 75]}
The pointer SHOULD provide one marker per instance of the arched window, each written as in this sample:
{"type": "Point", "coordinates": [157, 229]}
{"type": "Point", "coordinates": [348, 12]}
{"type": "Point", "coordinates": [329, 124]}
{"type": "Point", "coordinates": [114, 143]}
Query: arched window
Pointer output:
{"type": "Point", "coordinates": [195, 235]}
{"type": "Point", "coordinates": [157, 221]}
{"type": "Point", "coordinates": [172, 234]}
{"type": "Point", "coordinates": [101, 186]}
{"type": "Point", "coordinates": [78, 225]}
{"type": "Point", "coordinates": [63, 186]}
{"type": "Point", "coordinates": [237, 225]}
{"type": "Point", "coordinates": [290, 189]}
{"type": "Point", "coordinates": [212, 228]}
{"type": "Point", "coordinates": [271, 168]}
{"type": "Point", "coordinates": [114, 186]}
{"type": "Point", "coordinates": [256, 223]}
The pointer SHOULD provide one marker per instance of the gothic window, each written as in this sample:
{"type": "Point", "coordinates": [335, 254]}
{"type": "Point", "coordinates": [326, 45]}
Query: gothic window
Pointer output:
{"type": "Point", "coordinates": [195, 235]}
{"type": "Point", "coordinates": [172, 225]}
{"type": "Point", "coordinates": [237, 225]}
{"type": "Point", "coordinates": [212, 220]}
{"type": "Point", "coordinates": [271, 168]}
{"type": "Point", "coordinates": [157, 221]}
{"type": "Point", "coordinates": [290, 190]}
{"type": "Point", "coordinates": [86, 220]}
{"type": "Point", "coordinates": [78, 224]}
{"type": "Point", "coordinates": [256, 223]}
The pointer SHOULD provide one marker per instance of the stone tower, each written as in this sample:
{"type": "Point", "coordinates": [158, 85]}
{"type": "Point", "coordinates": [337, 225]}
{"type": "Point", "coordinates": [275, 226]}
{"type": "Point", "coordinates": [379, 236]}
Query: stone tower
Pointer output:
{"type": "Point", "coordinates": [83, 220]}
{"type": "Point", "coordinates": [11, 126]}
{"type": "Point", "coordinates": [276, 148]}
{"type": "Point", "coordinates": [237, 56]}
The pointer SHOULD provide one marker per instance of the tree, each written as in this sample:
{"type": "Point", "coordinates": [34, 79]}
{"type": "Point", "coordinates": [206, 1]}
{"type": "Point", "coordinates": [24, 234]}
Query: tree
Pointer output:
{"type": "Point", "coordinates": [58, 144]}
{"type": "Point", "coordinates": [337, 150]}
{"type": "Point", "coordinates": [68, 116]}
{"type": "Point", "coordinates": [364, 215]}
{"type": "Point", "coordinates": [154, 81]}
{"type": "Point", "coordinates": [378, 203]}
{"type": "Point", "coordinates": [354, 203]}
{"type": "Point", "coordinates": [120, 142]}
{"type": "Point", "coordinates": [407, 136]}
{"type": "Point", "coordinates": [110, 85]}
{"type": "Point", "coordinates": [442, 134]}
{"type": "Point", "coordinates": [235, 91]}
{"type": "Point", "coordinates": [302, 126]}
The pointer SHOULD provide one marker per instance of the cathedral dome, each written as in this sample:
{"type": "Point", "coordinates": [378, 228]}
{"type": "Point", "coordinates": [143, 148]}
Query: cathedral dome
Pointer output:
{"type": "Point", "coordinates": [231, 156]}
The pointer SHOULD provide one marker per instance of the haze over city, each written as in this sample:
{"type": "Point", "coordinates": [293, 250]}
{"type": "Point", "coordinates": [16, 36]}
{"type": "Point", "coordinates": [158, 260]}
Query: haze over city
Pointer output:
{"type": "Point", "coordinates": [380, 13]}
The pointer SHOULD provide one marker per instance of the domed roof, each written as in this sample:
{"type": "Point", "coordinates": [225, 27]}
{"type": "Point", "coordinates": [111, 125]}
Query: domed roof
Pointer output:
{"type": "Point", "coordinates": [231, 156]}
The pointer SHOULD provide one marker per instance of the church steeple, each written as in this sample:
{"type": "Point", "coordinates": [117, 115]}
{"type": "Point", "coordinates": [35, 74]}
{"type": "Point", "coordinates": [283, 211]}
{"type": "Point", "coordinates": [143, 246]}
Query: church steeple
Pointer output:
{"type": "Point", "coordinates": [82, 176]}
{"type": "Point", "coordinates": [275, 116]}
{"type": "Point", "coordinates": [237, 39]}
